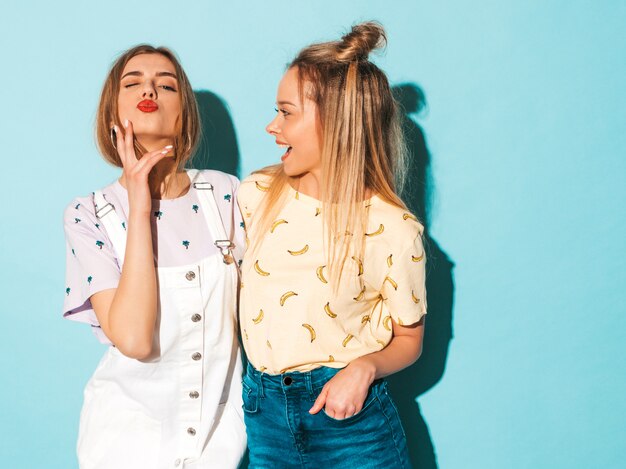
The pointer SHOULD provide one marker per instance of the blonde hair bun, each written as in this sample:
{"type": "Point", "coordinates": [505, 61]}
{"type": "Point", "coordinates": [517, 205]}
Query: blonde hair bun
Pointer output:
{"type": "Point", "coordinates": [360, 41]}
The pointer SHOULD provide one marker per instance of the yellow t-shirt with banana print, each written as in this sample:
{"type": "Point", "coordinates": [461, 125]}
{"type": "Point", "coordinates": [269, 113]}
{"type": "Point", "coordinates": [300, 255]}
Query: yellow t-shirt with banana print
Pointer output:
{"type": "Point", "coordinates": [290, 318]}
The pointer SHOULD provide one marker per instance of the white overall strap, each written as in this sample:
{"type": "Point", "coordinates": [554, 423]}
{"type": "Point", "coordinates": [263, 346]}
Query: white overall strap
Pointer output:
{"type": "Point", "coordinates": [105, 212]}
{"type": "Point", "coordinates": [212, 216]}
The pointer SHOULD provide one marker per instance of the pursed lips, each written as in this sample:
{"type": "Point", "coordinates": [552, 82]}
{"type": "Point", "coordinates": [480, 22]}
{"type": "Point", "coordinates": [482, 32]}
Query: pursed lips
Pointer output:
{"type": "Point", "coordinates": [147, 105]}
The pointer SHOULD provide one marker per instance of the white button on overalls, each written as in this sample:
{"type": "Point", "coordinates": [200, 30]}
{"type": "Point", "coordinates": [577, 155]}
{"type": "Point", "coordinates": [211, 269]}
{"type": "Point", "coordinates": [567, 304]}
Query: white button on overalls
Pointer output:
{"type": "Point", "coordinates": [181, 407]}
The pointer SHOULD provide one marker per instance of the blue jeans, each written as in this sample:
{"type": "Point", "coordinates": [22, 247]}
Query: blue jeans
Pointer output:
{"type": "Point", "coordinates": [282, 433]}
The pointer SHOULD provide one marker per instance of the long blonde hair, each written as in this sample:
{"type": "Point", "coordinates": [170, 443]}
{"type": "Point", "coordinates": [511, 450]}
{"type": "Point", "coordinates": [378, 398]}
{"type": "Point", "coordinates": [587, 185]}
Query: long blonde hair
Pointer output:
{"type": "Point", "coordinates": [363, 149]}
{"type": "Point", "coordinates": [188, 130]}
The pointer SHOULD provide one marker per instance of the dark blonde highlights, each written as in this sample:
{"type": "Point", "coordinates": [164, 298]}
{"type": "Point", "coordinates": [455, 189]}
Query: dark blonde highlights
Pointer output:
{"type": "Point", "coordinates": [363, 149]}
{"type": "Point", "coordinates": [188, 126]}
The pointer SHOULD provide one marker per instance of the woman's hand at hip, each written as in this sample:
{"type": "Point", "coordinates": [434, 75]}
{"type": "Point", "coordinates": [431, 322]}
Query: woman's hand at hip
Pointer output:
{"type": "Point", "coordinates": [344, 394]}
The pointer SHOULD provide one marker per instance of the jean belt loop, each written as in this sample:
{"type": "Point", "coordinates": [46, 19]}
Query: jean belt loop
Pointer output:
{"type": "Point", "coordinates": [309, 382]}
{"type": "Point", "coordinates": [261, 390]}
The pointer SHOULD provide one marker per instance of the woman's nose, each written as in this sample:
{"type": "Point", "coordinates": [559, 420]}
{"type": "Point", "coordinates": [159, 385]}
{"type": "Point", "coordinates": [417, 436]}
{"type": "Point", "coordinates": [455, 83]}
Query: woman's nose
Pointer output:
{"type": "Point", "coordinates": [273, 128]}
{"type": "Point", "coordinates": [149, 91]}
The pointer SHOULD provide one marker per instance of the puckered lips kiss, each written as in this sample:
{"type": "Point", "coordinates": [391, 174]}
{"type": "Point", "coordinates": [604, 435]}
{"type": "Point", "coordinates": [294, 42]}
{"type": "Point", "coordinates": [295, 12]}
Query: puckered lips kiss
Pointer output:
{"type": "Point", "coordinates": [147, 105]}
{"type": "Point", "coordinates": [284, 145]}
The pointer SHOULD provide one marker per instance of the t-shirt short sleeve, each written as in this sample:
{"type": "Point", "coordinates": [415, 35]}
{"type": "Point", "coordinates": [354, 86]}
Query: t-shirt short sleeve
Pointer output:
{"type": "Point", "coordinates": [404, 285]}
{"type": "Point", "coordinates": [91, 263]}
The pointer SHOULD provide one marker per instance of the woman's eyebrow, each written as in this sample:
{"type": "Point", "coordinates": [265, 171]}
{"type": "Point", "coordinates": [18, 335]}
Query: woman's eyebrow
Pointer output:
{"type": "Point", "coordinates": [137, 73]}
{"type": "Point", "coordinates": [167, 74]}
{"type": "Point", "coordinates": [282, 103]}
{"type": "Point", "coordinates": [132, 74]}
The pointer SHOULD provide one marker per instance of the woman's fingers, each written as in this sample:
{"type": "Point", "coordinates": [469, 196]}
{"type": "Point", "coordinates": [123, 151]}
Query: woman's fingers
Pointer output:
{"type": "Point", "coordinates": [129, 141]}
{"type": "Point", "coordinates": [319, 402]}
{"type": "Point", "coordinates": [149, 160]}
{"type": "Point", "coordinates": [119, 145]}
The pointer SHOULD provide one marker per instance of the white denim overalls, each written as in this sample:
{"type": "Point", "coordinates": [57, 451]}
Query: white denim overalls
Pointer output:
{"type": "Point", "coordinates": [181, 408]}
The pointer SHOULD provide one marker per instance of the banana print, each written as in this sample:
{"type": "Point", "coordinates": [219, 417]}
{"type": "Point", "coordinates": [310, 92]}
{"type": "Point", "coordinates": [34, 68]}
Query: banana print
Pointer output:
{"type": "Point", "coordinates": [300, 252]}
{"type": "Point", "coordinates": [380, 230]}
{"type": "Point", "coordinates": [359, 263]}
{"type": "Point", "coordinates": [276, 223]}
{"type": "Point", "coordinates": [415, 298]}
{"type": "Point", "coordinates": [328, 311]}
{"type": "Point", "coordinates": [261, 187]}
{"type": "Point", "coordinates": [320, 274]}
{"type": "Point", "coordinates": [259, 270]}
{"type": "Point", "coordinates": [286, 296]}
{"type": "Point", "coordinates": [360, 296]}
{"type": "Point", "coordinates": [262, 369]}
{"type": "Point", "coordinates": [418, 258]}
{"type": "Point", "coordinates": [259, 318]}
{"type": "Point", "coordinates": [391, 282]}
{"type": "Point", "coordinates": [368, 310]}
{"type": "Point", "coordinates": [309, 328]}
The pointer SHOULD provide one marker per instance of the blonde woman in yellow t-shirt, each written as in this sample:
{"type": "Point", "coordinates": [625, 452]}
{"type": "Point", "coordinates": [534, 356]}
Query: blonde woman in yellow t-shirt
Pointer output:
{"type": "Point", "coordinates": [333, 295]}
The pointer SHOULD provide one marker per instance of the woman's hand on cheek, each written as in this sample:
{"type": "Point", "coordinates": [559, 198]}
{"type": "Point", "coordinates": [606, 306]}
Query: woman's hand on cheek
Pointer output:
{"type": "Point", "coordinates": [344, 394]}
{"type": "Point", "coordinates": [136, 170]}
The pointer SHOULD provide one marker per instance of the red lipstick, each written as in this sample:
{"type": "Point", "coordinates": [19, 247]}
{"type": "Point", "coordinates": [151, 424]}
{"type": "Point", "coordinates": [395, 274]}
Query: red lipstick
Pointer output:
{"type": "Point", "coordinates": [147, 105]}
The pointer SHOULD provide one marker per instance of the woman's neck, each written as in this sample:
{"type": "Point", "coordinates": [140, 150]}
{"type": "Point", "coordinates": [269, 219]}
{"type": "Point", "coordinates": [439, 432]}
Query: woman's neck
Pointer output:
{"type": "Point", "coordinates": [309, 184]}
{"type": "Point", "coordinates": [165, 181]}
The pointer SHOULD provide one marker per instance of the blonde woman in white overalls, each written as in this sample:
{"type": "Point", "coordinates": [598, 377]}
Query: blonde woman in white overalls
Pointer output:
{"type": "Point", "coordinates": [152, 266]}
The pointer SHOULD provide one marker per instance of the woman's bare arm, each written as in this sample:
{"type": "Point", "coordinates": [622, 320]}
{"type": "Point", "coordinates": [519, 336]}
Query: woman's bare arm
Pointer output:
{"type": "Point", "coordinates": [127, 314]}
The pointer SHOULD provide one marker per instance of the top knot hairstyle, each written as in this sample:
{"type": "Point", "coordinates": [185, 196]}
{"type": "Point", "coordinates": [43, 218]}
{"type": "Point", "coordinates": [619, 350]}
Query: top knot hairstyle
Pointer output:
{"type": "Point", "coordinates": [363, 149]}
{"type": "Point", "coordinates": [354, 46]}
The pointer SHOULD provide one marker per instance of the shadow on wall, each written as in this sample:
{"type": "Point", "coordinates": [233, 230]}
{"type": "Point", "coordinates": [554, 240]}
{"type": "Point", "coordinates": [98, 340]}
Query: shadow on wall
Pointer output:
{"type": "Point", "coordinates": [218, 147]}
{"type": "Point", "coordinates": [407, 385]}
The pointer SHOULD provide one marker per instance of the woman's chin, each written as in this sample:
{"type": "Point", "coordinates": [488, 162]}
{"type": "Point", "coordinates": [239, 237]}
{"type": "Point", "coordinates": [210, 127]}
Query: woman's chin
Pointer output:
{"type": "Point", "coordinates": [154, 140]}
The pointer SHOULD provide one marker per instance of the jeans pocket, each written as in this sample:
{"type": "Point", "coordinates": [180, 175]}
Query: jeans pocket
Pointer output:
{"type": "Point", "coordinates": [372, 397]}
{"type": "Point", "coordinates": [250, 396]}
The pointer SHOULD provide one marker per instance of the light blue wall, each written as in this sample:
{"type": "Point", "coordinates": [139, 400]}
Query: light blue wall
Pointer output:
{"type": "Point", "coordinates": [525, 123]}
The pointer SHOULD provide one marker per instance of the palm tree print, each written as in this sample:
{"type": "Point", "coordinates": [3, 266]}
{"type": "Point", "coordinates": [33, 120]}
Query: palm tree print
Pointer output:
{"type": "Point", "coordinates": [195, 208]}
{"type": "Point", "coordinates": [73, 253]}
{"type": "Point", "coordinates": [68, 290]}
{"type": "Point", "coordinates": [76, 220]}
{"type": "Point", "coordinates": [89, 279]}
{"type": "Point", "coordinates": [99, 244]}
{"type": "Point", "coordinates": [186, 244]}
{"type": "Point", "coordinates": [124, 224]}
{"type": "Point", "coordinates": [97, 225]}
{"type": "Point", "coordinates": [227, 197]}
{"type": "Point", "coordinates": [76, 206]}
{"type": "Point", "coordinates": [158, 214]}
{"type": "Point", "coordinates": [242, 224]}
